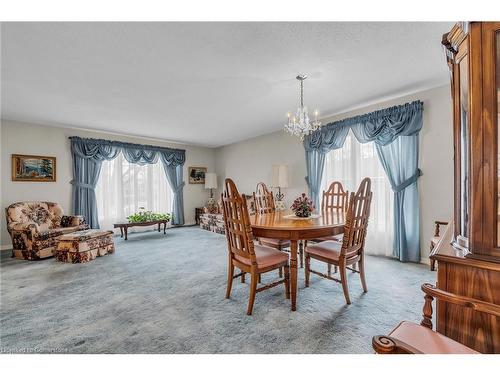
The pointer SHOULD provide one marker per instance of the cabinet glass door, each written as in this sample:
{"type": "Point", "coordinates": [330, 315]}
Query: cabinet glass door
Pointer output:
{"type": "Point", "coordinates": [463, 72]}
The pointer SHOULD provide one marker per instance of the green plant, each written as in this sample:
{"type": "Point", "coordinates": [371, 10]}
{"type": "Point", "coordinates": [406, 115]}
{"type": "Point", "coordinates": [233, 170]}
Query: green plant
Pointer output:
{"type": "Point", "coordinates": [144, 216]}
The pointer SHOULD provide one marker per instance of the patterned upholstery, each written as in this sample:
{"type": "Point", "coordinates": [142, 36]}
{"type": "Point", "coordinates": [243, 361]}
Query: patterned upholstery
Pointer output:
{"type": "Point", "coordinates": [35, 226]}
{"type": "Point", "coordinates": [212, 218]}
{"type": "Point", "coordinates": [84, 246]}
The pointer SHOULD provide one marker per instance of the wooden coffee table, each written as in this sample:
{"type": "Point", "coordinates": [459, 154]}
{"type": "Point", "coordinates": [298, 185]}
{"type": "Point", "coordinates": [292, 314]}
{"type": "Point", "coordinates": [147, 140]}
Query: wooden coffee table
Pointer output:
{"type": "Point", "coordinates": [124, 226]}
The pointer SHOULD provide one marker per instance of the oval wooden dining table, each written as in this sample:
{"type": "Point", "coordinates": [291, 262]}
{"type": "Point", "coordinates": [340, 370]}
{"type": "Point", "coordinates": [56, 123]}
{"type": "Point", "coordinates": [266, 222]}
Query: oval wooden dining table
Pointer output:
{"type": "Point", "coordinates": [278, 225]}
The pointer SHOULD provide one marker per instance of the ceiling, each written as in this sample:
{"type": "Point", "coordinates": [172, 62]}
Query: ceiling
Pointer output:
{"type": "Point", "coordinates": [208, 83]}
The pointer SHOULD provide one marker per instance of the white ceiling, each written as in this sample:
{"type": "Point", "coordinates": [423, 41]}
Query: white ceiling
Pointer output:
{"type": "Point", "coordinates": [208, 83]}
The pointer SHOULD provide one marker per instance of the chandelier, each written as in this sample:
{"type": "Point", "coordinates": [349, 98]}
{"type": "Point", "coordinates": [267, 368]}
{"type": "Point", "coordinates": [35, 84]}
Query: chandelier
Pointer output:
{"type": "Point", "coordinates": [300, 125]}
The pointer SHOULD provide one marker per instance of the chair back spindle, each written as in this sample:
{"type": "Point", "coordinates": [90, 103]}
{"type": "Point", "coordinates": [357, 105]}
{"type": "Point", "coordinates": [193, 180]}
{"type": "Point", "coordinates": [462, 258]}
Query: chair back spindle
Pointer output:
{"type": "Point", "coordinates": [237, 220]}
{"type": "Point", "coordinates": [335, 198]}
{"type": "Point", "coordinates": [356, 224]}
{"type": "Point", "coordinates": [264, 200]}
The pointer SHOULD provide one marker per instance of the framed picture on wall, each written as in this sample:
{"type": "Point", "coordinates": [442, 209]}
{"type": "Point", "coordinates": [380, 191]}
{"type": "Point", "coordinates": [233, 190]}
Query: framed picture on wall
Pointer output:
{"type": "Point", "coordinates": [197, 175]}
{"type": "Point", "coordinates": [33, 168]}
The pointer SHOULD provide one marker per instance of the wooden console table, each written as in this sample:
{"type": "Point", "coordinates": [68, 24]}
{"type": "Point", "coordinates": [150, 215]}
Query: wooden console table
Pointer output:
{"type": "Point", "coordinates": [124, 226]}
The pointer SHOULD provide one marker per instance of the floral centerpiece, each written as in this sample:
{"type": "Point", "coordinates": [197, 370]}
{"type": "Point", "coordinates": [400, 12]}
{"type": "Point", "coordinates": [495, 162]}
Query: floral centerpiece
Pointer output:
{"type": "Point", "coordinates": [302, 206]}
{"type": "Point", "coordinates": [144, 216]}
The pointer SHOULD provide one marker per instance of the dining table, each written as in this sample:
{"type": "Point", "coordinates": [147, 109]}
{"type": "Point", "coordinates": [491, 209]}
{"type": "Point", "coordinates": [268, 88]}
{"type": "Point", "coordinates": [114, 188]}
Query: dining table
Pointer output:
{"type": "Point", "coordinates": [286, 226]}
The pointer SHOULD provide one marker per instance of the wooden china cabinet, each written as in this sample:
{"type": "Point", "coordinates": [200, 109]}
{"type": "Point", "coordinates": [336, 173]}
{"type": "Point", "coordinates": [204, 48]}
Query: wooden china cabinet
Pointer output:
{"type": "Point", "coordinates": [468, 255]}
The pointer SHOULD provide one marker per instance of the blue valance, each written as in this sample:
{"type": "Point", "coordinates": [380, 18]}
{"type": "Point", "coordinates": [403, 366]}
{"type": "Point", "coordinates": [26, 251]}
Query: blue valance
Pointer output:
{"type": "Point", "coordinates": [381, 127]}
{"type": "Point", "coordinates": [102, 149]}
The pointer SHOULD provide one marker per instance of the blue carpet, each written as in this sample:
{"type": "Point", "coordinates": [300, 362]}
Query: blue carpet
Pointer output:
{"type": "Point", "coordinates": [165, 294]}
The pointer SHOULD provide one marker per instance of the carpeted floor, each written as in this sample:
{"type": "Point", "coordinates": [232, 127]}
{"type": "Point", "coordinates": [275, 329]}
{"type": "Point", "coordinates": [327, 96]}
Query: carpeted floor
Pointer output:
{"type": "Point", "coordinates": [165, 294]}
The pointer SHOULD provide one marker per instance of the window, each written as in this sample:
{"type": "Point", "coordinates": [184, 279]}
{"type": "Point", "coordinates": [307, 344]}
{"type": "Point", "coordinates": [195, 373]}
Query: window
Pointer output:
{"type": "Point", "coordinates": [349, 165]}
{"type": "Point", "coordinates": [123, 188]}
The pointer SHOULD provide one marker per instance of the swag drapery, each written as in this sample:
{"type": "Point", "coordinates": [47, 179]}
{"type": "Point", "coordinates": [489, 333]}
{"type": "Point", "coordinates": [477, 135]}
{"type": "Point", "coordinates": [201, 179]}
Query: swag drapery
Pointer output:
{"type": "Point", "coordinates": [395, 133]}
{"type": "Point", "coordinates": [88, 155]}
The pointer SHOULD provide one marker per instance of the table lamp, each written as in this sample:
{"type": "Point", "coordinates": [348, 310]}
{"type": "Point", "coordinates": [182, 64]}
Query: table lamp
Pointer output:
{"type": "Point", "coordinates": [211, 183]}
{"type": "Point", "coordinates": [280, 180]}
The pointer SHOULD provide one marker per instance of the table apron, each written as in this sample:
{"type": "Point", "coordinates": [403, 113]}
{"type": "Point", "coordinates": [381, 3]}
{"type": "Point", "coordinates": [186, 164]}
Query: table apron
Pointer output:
{"type": "Point", "coordinates": [303, 234]}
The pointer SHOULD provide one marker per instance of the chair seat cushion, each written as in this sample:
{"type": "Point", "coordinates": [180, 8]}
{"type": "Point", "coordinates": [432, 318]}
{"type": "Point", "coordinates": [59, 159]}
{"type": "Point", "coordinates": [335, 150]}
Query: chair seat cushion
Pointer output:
{"type": "Point", "coordinates": [428, 341]}
{"type": "Point", "coordinates": [274, 242]}
{"type": "Point", "coordinates": [266, 257]}
{"type": "Point", "coordinates": [325, 249]}
{"type": "Point", "coordinates": [435, 239]}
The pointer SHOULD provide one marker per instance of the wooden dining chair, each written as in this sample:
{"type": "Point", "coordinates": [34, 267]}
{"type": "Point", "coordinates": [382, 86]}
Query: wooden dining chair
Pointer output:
{"type": "Point", "coordinates": [335, 198]}
{"type": "Point", "coordinates": [264, 204]}
{"type": "Point", "coordinates": [351, 250]}
{"type": "Point", "coordinates": [243, 253]}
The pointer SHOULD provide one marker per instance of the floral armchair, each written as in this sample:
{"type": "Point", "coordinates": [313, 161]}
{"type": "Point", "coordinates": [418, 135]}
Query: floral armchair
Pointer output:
{"type": "Point", "coordinates": [35, 226]}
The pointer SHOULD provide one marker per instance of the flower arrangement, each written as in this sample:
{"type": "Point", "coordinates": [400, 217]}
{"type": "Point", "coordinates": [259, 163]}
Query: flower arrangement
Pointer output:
{"type": "Point", "coordinates": [302, 206]}
{"type": "Point", "coordinates": [143, 216]}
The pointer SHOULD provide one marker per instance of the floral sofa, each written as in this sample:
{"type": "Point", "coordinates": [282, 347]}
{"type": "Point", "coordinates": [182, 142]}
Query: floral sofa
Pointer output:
{"type": "Point", "coordinates": [35, 226]}
{"type": "Point", "coordinates": [212, 218]}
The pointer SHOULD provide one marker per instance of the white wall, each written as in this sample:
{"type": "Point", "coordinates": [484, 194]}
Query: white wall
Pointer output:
{"type": "Point", "coordinates": [250, 161]}
{"type": "Point", "coordinates": [31, 139]}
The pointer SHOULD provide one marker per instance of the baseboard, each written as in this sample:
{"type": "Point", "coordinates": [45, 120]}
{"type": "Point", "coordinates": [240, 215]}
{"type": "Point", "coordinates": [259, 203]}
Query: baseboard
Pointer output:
{"type": "Point", "coordinates": [5, 247]}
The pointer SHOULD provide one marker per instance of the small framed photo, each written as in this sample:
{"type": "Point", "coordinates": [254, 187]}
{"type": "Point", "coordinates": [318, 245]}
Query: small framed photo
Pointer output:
{"type": "Point", "coordinates": [197, 175]}
{"type": "Point", "coordinates": [33, 168]}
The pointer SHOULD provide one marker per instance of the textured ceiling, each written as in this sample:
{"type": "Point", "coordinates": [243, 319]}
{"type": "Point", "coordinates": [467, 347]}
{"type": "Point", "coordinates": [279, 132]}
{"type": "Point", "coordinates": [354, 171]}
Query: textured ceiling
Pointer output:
{"type": "Point", "coordinates": [208, 83]}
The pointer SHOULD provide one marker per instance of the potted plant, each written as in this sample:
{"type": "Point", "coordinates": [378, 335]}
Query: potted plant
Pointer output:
{"type": "Point", "coordinates": [302, 206]}
{"type": "Point", "coordinates": [144, 216]}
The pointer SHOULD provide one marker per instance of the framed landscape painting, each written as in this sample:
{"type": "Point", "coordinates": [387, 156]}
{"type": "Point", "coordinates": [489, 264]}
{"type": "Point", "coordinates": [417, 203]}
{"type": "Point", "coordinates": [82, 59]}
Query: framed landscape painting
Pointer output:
{"type": "Point", "coordinates": [33, 168]}
{"type": "Point", "coordinates": [197, 175]}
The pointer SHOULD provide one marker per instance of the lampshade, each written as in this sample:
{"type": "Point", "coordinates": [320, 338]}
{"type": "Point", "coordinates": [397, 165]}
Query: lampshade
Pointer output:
{"type": "Point", "coordinates": [210, 181]}
{"type": "Point", "coordinates": [280, 176]}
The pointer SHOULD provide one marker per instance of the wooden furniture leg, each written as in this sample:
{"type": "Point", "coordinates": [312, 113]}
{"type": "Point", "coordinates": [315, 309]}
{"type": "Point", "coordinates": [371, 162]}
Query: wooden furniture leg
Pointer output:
{"type": "Point", "coordinates": [121, 232]}
{"type": "Point", "coordinates": [361, 264]}
{"type": "Point", "coordinates": [293, 273]}
{"type": "Point", "coordinates": [229, 279]}
{"type": "Point", "coordinates": [308, 267]}
{"type": "Point", "coordinates": [301, 253]}
{"type": "Point", "coordinates": [287, 282]}
{"type": "Point", "coordinates": [126, 233]}
{"type": "Point", "coordinates": [165, 228]}
{"type": "Point", "coordinates": [253, 289]}
{"type": "Point", "coordinates": [243, 277]}
{"type": "Point", "coordinates": [343, 278]}
{"type": "Point", "coordinates": [329, 267]}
